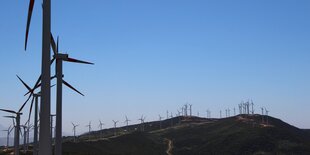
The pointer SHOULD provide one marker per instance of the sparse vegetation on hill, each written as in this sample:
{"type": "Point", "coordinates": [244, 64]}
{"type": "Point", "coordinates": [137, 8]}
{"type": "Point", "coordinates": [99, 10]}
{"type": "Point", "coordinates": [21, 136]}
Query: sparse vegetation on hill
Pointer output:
{"type": "Point", "coordinates": [242, 134]}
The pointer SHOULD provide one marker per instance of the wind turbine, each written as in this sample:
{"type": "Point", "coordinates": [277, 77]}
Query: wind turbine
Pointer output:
{"type": "Point", "coordinates": [142, 122]}
{"type": "Point", "coordinates": [89, 129]}
{"type": "Point", "coordinates": [266, 112]}
{"type": "Point", "coordinates": [115, 123]}
{"type": "Point", "coordinates": [59, 57]}
{"type": "Point", "coordinates": [45, 147]}
{"type": "Point", "coordinates": [252, 104]}
{"type": "Point", "coordinates": [35, 98]}
{"type": "Point", "coordinates": [160, 121]}
{"type": "Point", "coordinates": [127, 121]}
{"type": "Point", "coordinates": [28, 132]}
{"type": "Point", "coordinates": [9, 130]}
{"type": "Point", "coordinates": [171, 119]}
{"type": "Point", "coordinates": [74, 130]}
{"type": "Point", "coordinates": [262, 114]}
{"type": "Point", "coordinates": [100, 127]}
{"type": "Point", "coordinates": [24, 136]}
{"type": "Point", "coordinates": [190, 110]}
{"type": "Point", "coordinates": [17, 128]}
{"type": "Point", "coordinates": [185, 109]}
{"type": "Point", "coordinates": [220, 113]}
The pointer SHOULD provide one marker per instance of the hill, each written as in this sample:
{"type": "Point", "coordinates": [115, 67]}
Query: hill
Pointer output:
{"type": "Point", "coordinates": [242, 134]}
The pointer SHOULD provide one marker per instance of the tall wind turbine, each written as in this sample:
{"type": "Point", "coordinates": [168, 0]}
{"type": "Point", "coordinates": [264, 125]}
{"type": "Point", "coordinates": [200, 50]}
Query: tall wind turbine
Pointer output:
{"type": "Point", "coordinates": [9, 130]}
{"type": "Point", "coordinates": [24, 127]}
{"type": "Point", "coordinates": [74, 130]}
{"type": "Point", "coordinates": [45, 143]}
{"type": "Point", "coordinates": [142, 122]}
{"type": "Point", "coordinates": [190, 110]}
{"type": "Point", "coordinates": [59, 57]}
{"type": "Point", "coordinates": [126, 121]}
{"type": "Point", "coordinates": [262, 114]}
{"type": "Point", "coordinates": [115, 123]}
{"type": "Point", "coordinates": [100, 127]}
{"type": "Point", "coordinates": [89, 129]}
{"type": "Point", "coordinates": [35, 99]}
{"type": "Point", "coordinates": [266, 112]}
{"type": "Point", "coordinates": [17, 128]}
{"type": "Point", "coordinates": [160, 118]}
{"type": "Point", "coordinates": [220, 113]}
{"type": "Point", "coordinates": [252, 104]}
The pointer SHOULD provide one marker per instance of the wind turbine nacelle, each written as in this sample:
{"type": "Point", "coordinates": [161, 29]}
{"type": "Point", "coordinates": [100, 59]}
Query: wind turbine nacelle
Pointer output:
{"type": "Point", "coordinates": [61, 56]}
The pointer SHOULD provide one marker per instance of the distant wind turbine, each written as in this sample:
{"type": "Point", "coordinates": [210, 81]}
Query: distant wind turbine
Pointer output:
{"type": "Point", "coordinates": [17, 128]}
{"type": "Point", "coordinates": [115, 123]}
{"type": "Point", "coordinates": [127, 122]}
{"type": "Point", "coordinates": [74, 130]}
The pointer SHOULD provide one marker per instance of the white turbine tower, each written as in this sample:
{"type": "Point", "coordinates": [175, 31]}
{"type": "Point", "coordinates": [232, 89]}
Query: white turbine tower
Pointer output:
{"type": "Point", "coordinates": [59, 57]}
{"type": "Point", "coordinates": [9, 130]}
{"type": "Point", "coordinates": [74, 130]}
{"type": "Point", "coordinates": [127, 122]}
{"type": "Point", "coordinates": [115, 123]}
{"type": "Point", "coordinates": [160, 121]}
{"type": "Point", "coordinates": [17, 128]}
{"type": "Point", "coordinates": [45, 142]}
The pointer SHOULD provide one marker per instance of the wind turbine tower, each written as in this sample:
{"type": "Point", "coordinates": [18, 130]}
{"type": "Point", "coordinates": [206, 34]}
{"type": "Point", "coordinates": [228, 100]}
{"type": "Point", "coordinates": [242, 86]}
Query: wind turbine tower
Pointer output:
{"type": "Point", "coordinates": [266, 112]}
{"type": "Point", "coordinates": [127, 122]}
{"type": "Point", "coordinates": [74, 130]}
{"type": "Point", "coordinates": [59, 57]}
{"type": "Point", "coordinates": [252, 104]}
{"type": "Point", "coordinates": [89, 129]}
{"type": "Point", "coordinates": [17, 128]}
{"type": "Point", "coordinates": [9, 130]}
{"type": "Point", "coordinates": [220, 113]}
{"type": "Point", "coordinates": [160, 118]}
{"type": "Point", "coordinates": [190, 110]}
{"type": "Point", "coordinates": [262, 114]}
{"type": "Point", "coordinates": [115, 123]}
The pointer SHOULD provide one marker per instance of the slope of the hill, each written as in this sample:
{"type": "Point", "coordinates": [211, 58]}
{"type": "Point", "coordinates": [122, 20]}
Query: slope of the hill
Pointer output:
{"type": "Point", "coordinates": [238, 135]}
{"type": "Point", "coordinates": [136, 143]}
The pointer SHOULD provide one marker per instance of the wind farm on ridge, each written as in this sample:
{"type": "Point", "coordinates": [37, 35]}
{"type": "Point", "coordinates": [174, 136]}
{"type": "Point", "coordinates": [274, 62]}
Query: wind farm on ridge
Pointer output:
{"type": "Point", "coordinates": [182, 129]}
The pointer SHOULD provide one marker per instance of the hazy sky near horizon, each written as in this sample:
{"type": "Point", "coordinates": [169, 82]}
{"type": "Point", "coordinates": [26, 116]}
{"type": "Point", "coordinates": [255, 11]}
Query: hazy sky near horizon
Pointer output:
{"type": "Point", "coordinates": [155, 55]}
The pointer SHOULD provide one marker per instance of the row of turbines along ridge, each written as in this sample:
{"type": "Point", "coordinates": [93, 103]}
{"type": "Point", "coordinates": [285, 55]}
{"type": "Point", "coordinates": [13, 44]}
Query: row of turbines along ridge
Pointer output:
{"type": "Point", "coordinates": [182, 114]}
{"type": "Point", "coordinates": [141, 124]}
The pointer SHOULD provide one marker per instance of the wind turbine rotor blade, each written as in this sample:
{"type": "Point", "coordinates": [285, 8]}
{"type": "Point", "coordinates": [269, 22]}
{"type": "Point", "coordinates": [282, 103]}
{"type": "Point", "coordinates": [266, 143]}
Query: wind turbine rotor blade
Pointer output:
{"type": "Point", "coordinates": [13, 121]}
{"type": "Point", "coordinates": [30, 9]}
{"type": "Point", "coordinates": [30, 110]}
{"type": "Point", "coordinates": [78, 61]}
{"type": "Point", "coordinates": [68, 85]}
{"type": "Point", "coordinates": [21, 108]}
{"type": "Point", "coordinates": [53, 44]}
{"type": "Point", "coordinates": [29, 89]}
{"type": "Point", "coordinates": [10, 111]}
{"type": "Point", "coordinates": [52, 60]}
{"type": "Point", "coordinates": [57, 44]}
{"type": "Point", "coordinates": [11, 129]}
{"type": "Point", "coordinates": [9, 117]}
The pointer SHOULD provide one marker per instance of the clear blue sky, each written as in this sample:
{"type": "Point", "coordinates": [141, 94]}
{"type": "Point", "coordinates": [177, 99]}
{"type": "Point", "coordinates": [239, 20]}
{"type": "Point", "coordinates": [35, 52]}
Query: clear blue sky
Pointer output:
{"type": "Point", "coordinates": [153, 56]}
